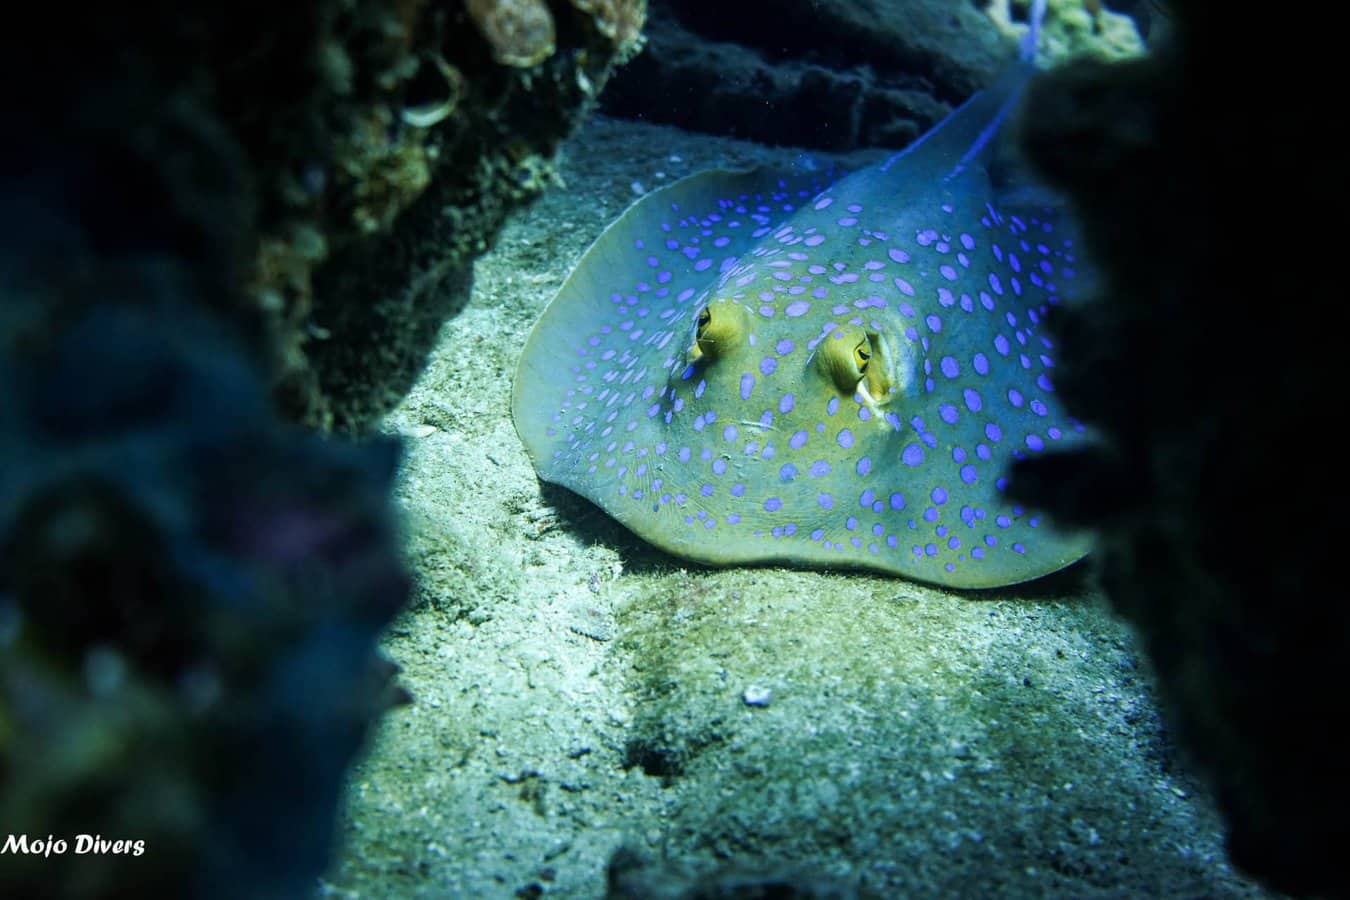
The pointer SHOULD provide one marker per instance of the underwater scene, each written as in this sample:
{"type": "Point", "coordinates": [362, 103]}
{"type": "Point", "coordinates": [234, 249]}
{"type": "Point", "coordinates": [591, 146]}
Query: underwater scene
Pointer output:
{"type": "Point", "coordinates": [667, 449]}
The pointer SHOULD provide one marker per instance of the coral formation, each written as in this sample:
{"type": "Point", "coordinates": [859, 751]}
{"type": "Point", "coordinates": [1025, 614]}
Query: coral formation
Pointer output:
{"type": "Point", "coordinates": [519, 31]}
{"type": "Point", "coordinates": [619, 20]}
{"type": "Point", "coordinates": [325, 138]}
{"type": "Point", "coordinates": [484, 94]}
{"type": "Point", "coordinates": [1073, 29]}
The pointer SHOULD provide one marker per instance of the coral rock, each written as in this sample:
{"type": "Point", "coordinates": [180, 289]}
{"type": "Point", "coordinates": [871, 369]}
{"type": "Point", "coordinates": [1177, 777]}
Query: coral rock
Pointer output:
{"type": "Point", "coordinates": [520, 31]}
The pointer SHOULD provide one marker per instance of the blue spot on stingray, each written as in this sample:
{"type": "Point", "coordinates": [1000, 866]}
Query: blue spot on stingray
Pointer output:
{"type": "Point", "coordinates": [622, 330]}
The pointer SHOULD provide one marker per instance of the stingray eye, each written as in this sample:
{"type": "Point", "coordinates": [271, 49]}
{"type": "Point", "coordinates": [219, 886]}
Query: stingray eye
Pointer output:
{"type": "Point", "coordinates": [855, 359]}
{"type": "Point", "coordinates": [719, 329]}
{"type": "Point", "coordinates": [842, 357]}
{"type": "Point", "coordinates": [861, 355]}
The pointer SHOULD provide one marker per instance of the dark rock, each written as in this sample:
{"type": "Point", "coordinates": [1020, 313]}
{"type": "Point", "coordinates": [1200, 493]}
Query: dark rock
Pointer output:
{"type": "Point", "coordinates": [1208, 364]}
{"type": "Point", "coordinates": [190, 599]}
{"type": "Point", "coordinates": [827, 75]}
{"type": "Point", "coordinates": [190, 592]}
{"type": "Point", "coordinates": [327, 170]}
{"type": "Point", "coordinates": [840, 74]}
{"type": "Point", "coordinates": [395, 275]}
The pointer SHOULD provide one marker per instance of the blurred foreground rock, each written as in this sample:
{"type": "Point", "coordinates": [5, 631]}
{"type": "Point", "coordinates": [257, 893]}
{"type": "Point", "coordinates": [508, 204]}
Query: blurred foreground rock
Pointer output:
{"type": "Point", "coordinates": [215, 218]}
{"type": "Point", "coordinates": [1205, 366]}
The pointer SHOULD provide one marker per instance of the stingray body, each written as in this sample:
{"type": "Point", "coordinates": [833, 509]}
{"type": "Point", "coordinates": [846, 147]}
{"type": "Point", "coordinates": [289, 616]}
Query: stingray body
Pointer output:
{"type": "Point", "coordinates": [765, 366]}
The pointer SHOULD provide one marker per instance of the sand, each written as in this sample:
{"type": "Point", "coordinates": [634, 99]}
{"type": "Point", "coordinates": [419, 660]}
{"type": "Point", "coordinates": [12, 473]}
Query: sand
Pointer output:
{"type": "Point", "coordinates": [578, 691]}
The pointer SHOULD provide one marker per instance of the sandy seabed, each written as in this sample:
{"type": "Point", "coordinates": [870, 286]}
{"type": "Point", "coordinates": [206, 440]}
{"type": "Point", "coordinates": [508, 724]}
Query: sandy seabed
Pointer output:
{"type": "Point", "coordinates": [577, 691]}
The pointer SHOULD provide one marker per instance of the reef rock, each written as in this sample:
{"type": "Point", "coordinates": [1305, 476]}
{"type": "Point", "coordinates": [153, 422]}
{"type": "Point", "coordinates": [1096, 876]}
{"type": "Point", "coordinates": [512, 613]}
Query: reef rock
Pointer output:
{"type": "Point", "coordinates": [839, 74]}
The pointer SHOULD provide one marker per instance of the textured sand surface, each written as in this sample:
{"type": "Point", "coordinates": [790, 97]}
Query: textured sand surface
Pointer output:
{"type": "Point", "coordinates": [577, 691]}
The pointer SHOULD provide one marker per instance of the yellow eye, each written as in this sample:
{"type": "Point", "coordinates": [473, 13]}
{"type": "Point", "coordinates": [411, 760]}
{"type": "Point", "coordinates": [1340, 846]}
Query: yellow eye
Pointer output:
{"type": "Point", "coordinates": [720, 328]}
{"type": "Point", "coordinates": [846, 358]}
{"type": "Point", "coordinates": [861, 354]}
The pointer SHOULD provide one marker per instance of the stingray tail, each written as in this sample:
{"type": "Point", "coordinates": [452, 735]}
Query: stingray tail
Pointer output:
{"type": "Point", "coordinates": [967, 135]}
{"type": "Point", "coordinates": [1033, 36]}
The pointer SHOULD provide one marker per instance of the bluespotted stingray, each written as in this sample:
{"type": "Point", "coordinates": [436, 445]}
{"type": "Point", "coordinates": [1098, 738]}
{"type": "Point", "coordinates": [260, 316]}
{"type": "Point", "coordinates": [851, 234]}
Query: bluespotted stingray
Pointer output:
{"type": "Point", "coordinates": [779, 366]}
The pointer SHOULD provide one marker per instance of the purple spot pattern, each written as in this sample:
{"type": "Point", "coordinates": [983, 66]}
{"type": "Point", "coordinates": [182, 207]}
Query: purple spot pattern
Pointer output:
{"type": "Point", "coordinates": [624, 419]}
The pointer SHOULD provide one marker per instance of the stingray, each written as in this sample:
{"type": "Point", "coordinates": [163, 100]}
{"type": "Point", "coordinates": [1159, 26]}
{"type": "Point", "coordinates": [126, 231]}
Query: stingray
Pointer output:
{"type": "Point", "coordinates": [825, 371]}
